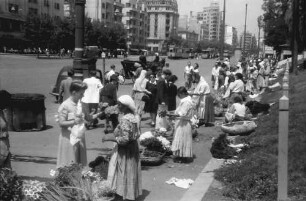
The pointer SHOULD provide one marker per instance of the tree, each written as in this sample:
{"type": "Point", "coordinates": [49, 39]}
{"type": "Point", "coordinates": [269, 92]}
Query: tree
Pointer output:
{"type": "Point", "coordinates": [276, 28]}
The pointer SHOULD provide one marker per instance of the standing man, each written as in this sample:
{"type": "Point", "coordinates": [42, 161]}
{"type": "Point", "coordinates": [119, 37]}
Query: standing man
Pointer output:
{"type": "Point", "coordinates": [110, 73]}
{"type": "Point", "coordinates": [64, 91]}
{"type": "Point", "coordinates": [109, 96]}
{"type": "Point", "coordinates": [90, 101]}
{"type": "Point", "coordinates": [162, 99]}
{"type": "Point", "coordinates": [215, 75]}
{"type": "Point", "coordinates": [187, 75]}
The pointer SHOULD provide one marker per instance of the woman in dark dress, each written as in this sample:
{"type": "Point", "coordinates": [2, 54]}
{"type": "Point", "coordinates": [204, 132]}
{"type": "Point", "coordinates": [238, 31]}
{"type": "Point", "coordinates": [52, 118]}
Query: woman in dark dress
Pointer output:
{"type": "Point", "coordinates": [172, 93]}
{"type": "Point", "coordinates": [150, 104]}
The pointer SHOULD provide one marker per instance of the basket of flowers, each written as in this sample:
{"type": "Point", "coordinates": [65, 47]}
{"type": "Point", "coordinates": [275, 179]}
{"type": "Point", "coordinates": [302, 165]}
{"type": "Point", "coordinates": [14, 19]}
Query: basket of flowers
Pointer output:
{"type": "Point", "coordinates": [155, 148]}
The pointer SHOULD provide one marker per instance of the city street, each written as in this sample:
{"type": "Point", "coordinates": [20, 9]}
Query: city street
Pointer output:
{"type": "Point", "coordinates": [34, 153]}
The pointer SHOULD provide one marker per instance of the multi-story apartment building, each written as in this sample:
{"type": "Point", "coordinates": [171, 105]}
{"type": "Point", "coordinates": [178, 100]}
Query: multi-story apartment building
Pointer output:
{"type": "Point", "coordinates": [107, 11]}
{"type": "Point", "coordinates": [247, 41]}
{"type": "Point", "coordinates": [212, 17]}
{"type": "Point", "coordinates": [190, 36]}
{"type": "Point", "coordinates": [13, 14]}
{"type": "Point", "coordinates": [231, 35]}
{"type": "Point", "coordinates": [135, 21]}
{"type": "Point", "coordinates": [163, 15]}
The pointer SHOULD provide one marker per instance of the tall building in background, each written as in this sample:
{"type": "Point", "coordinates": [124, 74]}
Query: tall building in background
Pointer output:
{"type": "Point", "coordinates": [231, 37]}
{"type": "Point", "coordinates": [13, 15]}
{"type": "Point", "coordinates": [183, 22]}
{"type": "Point", "coordinates": [212, 17]}
{"type": "Point", "coordinates": [135, 20]}
{"type": "Point", "coordinates": [248, 41]}
{"type": "Point", "coordinates": [107, 11]}
{"type": "Point", "coordinates": [163, 15]}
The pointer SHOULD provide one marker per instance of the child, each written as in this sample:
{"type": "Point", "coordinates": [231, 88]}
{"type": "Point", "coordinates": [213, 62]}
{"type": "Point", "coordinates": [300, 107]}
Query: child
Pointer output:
{"type": "Point", "coordinates": [237, 112]}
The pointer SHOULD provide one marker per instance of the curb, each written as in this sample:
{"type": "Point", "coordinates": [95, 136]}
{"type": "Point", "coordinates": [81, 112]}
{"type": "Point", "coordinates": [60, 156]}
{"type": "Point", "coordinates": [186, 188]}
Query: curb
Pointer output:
{"type": "Point", "coordinates": [202, 183]}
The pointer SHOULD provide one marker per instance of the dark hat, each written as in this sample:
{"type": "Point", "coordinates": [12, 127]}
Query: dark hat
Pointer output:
{"type": "Point", "coordinates": [114, 77]}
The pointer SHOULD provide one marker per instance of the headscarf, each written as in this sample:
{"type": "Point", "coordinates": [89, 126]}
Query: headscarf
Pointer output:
{"type": "Point", "coordinates": [140, 83]}
{"type": "Point", "coordinates": [127, 101]}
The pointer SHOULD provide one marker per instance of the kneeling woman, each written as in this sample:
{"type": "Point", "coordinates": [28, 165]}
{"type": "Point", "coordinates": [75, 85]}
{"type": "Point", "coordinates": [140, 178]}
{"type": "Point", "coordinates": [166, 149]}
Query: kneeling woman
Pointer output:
{"type": "Point", "coordinates": [124, 171]}
{"type": "Point", "coordinates": [182, 142]}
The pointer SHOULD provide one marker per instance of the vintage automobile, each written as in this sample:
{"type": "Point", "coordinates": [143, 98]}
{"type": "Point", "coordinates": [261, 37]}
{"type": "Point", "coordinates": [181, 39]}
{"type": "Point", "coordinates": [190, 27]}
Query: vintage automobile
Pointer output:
{"type": "Point", "coordinates": [63, 74]}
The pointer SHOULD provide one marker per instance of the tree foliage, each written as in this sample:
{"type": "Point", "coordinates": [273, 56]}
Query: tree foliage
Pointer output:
{"type": "Point", "coordinates": [55, 33]}
{"type": "Point", "coordinates": [275, 27]}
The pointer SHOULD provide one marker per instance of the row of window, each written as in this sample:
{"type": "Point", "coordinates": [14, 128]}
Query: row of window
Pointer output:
{"type": "Point", "coordinates": [157, 8]}
{"type": "Point", "coordinates": [159, 2]}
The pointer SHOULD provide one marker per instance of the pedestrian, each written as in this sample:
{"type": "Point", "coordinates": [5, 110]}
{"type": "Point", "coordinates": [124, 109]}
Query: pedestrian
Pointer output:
{"type": "Point", "coordinates": [172, 93]}
{"type": "Point", "coordinates": [187, 75]}
{"type": "Point", "coordinates": [196, 68]}
{"type": "Point", "coordinates": [162, 99]}
{"type": "Point", "coordinates": [139, 92]}
{"type": "Point", "coordinates": [5, 154]}
{"type": "Point", "coordinates": [109, 95]}
{"type": "Point", "coordinates": [91, 97]}
{"type": "Point", "coordinates": [64, 91]}
{"type": "Point", "coordinates": [182, 142]}
{"type": "Point", "coordinates": [237, 87]}
{"type": "Point", "coordinates": [156, 59]}
{"type": "Point", "coordinates": [203, 100]}
{"type": "Point", "coordinates": [124, 173]}
{"type": "Point", "coordinates": [110, 73]}
{"type": "Point", "coordinates": [150, 105]}
{"type": "Point", "coordinates": [215, 75]}
{"type": "Point", "coordinates": [70, 115]}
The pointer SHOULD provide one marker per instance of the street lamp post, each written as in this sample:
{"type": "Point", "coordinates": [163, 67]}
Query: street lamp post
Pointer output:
{"type": "Point", "coordinates": [259, 21]}
{"type": "Point", "coordinates": [246, 13]}
{"type": "Point", "coordinates": [223, 34]}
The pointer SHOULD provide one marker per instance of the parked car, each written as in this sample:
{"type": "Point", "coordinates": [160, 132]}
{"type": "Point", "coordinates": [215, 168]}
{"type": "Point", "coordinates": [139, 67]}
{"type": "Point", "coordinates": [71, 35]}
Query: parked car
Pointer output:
{"type": "Point", "coordinates": [63, 74]}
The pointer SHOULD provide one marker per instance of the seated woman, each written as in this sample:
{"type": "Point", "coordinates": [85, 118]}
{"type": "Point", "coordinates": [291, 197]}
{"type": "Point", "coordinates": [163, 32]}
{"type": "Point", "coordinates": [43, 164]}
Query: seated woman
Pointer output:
{"type": "Point", "coordinates": [237, 112]}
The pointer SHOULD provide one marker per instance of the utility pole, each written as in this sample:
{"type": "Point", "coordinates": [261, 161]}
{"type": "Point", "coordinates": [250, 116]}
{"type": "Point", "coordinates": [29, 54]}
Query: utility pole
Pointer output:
{"type": "Point", "coordinates": [222, 34]}
{"type": "Point", "coordinates": [295, 35]}
{"type": "Point", "coordinates": [259, 21]}
{"type": "Point", "coordinates": [246, 13]}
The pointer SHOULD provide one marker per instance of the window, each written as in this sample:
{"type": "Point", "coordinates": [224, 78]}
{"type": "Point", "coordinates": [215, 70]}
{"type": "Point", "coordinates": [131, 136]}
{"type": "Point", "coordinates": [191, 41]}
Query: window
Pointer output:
{"type": "Point", "coordinates": [33, 11]}
{"type": "Point", "coordinates": [103, 16]}
{"type": "Point", "coordinates": [103, 5]}
{"type": "Point", "coordinates": [57, 6]}
{"type": "Point", "coordinates": [46, 3]}
{"type": "Point", "coordinates": [33, 1]}
{"type": "Point", "coordinates": [13, 8]}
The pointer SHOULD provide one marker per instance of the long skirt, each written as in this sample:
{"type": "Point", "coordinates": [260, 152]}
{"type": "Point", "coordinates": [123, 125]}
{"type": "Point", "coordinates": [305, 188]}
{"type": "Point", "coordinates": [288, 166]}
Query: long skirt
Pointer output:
{"type": "Point", "coordinates": [124, 172]}
{"type": "Point", "coordinates": [206, 110]}
{"type": "Point", "coordinates": [68, 154]}
{"type": "Point", "coordinates": [182, 142]}
{"type": "Point", "coordinates": [139, 103]}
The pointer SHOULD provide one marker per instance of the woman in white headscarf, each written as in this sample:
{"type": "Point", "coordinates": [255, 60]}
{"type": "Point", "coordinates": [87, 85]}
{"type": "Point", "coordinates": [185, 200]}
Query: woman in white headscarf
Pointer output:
{"type": "Point", "coordinates": [139, 91]}
{"type": "Point", "coordinates": [124, 171]}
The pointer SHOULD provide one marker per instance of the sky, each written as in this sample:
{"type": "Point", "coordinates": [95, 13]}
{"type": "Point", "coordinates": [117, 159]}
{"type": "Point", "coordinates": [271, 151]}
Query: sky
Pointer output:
{"type": "Point", "coordinates": [235, 12]}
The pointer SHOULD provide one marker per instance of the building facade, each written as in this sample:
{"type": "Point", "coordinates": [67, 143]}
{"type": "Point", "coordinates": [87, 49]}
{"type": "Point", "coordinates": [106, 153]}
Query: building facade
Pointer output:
{"type": "Point", "coordinates": [190, 36]}
{"type": "Point", "coordinates": [135, 21]}
{"type": "Point", "coordinates": [107, 11]}
{"type": "Point", "coordinates": [247, 41]}
{"type": "Point", "coordinates": [163, 17]}
{"type": "Point", "coordinates": [212, 17]}
{"type": "Point", "coordinates": [13, 15]}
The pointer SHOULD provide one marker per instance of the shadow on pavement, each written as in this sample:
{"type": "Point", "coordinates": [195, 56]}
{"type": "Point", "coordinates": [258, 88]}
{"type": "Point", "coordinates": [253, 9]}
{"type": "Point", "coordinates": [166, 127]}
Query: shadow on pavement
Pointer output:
{"type": "Point", "coordinates": [34, 159]}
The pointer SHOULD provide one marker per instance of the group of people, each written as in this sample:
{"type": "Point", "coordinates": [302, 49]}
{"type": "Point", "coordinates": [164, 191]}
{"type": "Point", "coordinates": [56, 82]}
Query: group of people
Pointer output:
{"type": "Point", "coordinates": [234, 83]}
{"type": "Point", "coordinates": [152, 93]}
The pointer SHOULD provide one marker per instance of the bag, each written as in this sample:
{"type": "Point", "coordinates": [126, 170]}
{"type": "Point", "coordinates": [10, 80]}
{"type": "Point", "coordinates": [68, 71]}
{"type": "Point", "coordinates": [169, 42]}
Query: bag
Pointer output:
{"type": "Point", "coordinates": [145, 98]}
{"type": "Point", "coordinates": [77, 132]}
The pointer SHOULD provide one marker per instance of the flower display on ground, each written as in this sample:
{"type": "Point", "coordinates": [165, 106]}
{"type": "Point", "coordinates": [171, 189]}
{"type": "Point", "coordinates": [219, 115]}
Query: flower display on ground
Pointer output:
{"type": "Point", "coordinates": [33, 189]}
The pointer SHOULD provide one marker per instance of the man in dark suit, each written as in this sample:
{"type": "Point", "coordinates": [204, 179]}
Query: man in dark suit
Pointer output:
{"type": "Point", "coordinates": [162, 98]}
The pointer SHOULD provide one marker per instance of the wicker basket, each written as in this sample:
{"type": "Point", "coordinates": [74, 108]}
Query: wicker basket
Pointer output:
{"type": "Point", "coordinates": [239, 127]}
{"type": "Point", "coordinates": [151, 161]}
